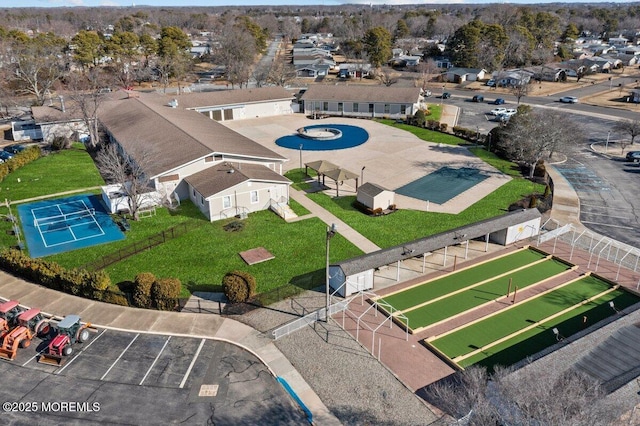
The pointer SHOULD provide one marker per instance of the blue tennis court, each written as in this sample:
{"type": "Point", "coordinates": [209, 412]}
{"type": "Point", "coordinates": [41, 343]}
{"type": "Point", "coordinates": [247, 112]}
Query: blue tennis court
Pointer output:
{"type": "Point", "coordinates": [443, 184]}
{"type": "Point", "coordinates": [65, 224]}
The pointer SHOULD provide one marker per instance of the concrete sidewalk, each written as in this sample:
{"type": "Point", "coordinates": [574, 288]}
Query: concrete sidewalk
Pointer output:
{"type": "Point", "coordinates": [116, 317]}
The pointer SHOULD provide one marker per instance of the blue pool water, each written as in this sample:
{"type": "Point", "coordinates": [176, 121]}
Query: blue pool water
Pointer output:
{"type": "Point", "coordinates": [351, 136]}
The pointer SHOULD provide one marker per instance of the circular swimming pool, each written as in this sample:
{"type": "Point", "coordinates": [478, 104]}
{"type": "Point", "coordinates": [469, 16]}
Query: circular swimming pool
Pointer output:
{"type": "Point", "coordinates": [329, 137]}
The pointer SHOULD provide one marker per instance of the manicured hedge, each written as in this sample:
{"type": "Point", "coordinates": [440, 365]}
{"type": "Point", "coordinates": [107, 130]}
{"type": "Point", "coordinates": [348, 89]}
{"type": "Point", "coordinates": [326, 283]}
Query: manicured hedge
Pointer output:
{"type": "Point", "coordinates": [22, 158]}
{"type": "Point", "coordinates": [80, 282]}
{"type": "Point", "coordinates": [238, 286]}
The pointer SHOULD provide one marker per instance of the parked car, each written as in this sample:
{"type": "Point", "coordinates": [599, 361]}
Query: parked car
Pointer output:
{"type": "Point", "coordinates": [477, 98]}
{"type": "Point", "coordinates": [446, 95]}
{"type": "Point", "coordinates": [491, 82]}
{"type": "Point", "coordinates": [569, 100]}
{"type": "Point", "coordinates": [14, 149]}
{"type": "Point", "coordinates": [498, 101]}
{"type": "Point", "coordinates": [633, 156]}
{"type": "Point", "coordinates": [498, 111]}
{"type": "Point", "coordinates": [4, 155]}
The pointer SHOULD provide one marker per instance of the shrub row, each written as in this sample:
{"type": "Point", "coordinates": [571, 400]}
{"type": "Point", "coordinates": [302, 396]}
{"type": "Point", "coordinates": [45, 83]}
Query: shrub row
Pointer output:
{"type": "Point", "coordinates": [19, 160]}
{"type": "Point", "coordinates": [156, 293]}
{"type": "Point", "coordinates": [468, 134]}
{"type": "Point", "coordinates": [238, 286]}
{"type": "Point", "coordinates": [79, 282]}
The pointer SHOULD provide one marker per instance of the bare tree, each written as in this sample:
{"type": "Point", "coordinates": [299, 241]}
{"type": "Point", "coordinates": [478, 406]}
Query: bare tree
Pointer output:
{"type": "Point", "coordinates": [386, 76]}
{"type": "Point", "coordinates": [524, 397]}
{"type": "Point", "coordinates": [520, 90]}
{"type": "Point", "coordinates": [282, 72]}
{"type": "Point", "coordinates": [88, 92]}
{"type": "Point", "coordinates": [630, 127]}
{"type": "Point", "coordinates": [427, 70]}
{"type": "Point", "coordinates": [127, 169]}
{"type": "Point", "coordinates": [532, 134]}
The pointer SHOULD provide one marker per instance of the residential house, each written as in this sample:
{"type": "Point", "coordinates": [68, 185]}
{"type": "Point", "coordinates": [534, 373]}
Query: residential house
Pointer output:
{"type": "Point", "coordinates": [187, 154]}
{"type": "Point", "coordinates": [318, 70]}
{"type": "Point", "coordinates": [599, 63]}
{"type": "Point", "coordinates": [460, 75]}
{"type": "Point", "coordinates": [550, 72]}
{"type": "Point", "coordinates": [362, 101]}
{"type": "Point", "coordinates": [354, 70]}
{"type": "Point", "coordinates": [62, 118]}
{"type": "Point", "coordinates": [512, 78]}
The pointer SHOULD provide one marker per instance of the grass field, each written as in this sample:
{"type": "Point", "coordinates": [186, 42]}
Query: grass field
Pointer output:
{"type": "Point", "coordinates": [461, 279]}
{"type": "Point", "coordinates": [486, 292]}
{"type": "Point", "coordinates": [480, 334]}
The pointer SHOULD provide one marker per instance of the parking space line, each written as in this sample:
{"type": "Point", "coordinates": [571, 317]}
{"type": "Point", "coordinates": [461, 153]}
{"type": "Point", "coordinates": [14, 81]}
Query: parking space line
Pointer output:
{"type": "Point", "coordinates": [193, 361]}
{"type": "Point", "coordinates": [120, 356]}
{"type": "Point", "coordinates": [155, 360]}
{"type": "Point", "coordinates": [607, 224]}
{"type": "Point", "coordinates": [60, 370]}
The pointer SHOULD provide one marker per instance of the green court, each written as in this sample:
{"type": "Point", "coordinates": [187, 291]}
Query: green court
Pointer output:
{"type": "Point", "coordinates": [464, 278]}
{"type": "Point", "coordinates": [478, 335]}
{"type": "Point", "coordinates": [483, 293]}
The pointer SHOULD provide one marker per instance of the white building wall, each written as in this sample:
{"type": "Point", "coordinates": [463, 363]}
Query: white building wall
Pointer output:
{"type": "Point", "coordinates": [50, 131]}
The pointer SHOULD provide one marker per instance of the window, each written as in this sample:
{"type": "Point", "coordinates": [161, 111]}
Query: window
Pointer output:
{"type": "Point", "coordinates": [194, 193]}
{"type": "Point", "coordinates": [355, 107]}
{"type": "Point", "coordinates": [325, 106]}
{"type": "Point", "coordinates": [226, 201]}
{"type": "Point", "coordinates": [403, 109]}
{"type": "Point", "coordinates": [340, 107]}
{"type": "Point", "coordinates": [386, 108]}
{"type": "Point", "coordinates": [201, 200]}
{"type": "Point", "coordinates": [254, 197]}
{"type": "Point", "coordinates": [371, 108]}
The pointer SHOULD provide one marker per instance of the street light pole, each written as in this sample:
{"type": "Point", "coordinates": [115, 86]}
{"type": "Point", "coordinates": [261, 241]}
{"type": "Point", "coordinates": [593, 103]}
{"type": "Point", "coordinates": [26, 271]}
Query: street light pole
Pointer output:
{"type": "Point", "coordinates": [300, 156]}
{"type": "Point", "coordinates": [362, 175]}
{"type": "Point", "coordinates": [606, 145]}
{"type": "Point", "coordinates": [331, 231]}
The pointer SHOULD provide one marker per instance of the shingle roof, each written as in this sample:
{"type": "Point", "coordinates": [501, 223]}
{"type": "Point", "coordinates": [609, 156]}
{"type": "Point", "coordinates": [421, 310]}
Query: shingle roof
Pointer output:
{"type": "Point", "coordinates": [410, 249]}
{"type": "Point", "coordinates": [371, 189]}
{"type": "Point", "coordinates": [174, 137]}
{"type": "Point", "coordinates": [54, 114]}
{"type": "Point", "coordinates": [231, 97]}
{"type": "Point", "coordinates": [220, 177]}
{"type": "Point", "coordinates": [362, 93]}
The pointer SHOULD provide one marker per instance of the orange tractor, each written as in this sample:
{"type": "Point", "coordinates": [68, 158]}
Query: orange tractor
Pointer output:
{"type": "Point", "coordinates": [69, 331]}
{"type": "Point", "coordinates": [9, 311]}
{"type": "Point", "coordinates": [27, 324]}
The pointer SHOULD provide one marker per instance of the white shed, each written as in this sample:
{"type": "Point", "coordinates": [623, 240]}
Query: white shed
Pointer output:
{"type": "Point", "coordinates": [517, 232]}
{"type": "Point", "coordinates": [375, 196]}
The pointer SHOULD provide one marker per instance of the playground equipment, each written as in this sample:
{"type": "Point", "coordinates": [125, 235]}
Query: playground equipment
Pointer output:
{"type": "Point", "coordinates": [69, 331]}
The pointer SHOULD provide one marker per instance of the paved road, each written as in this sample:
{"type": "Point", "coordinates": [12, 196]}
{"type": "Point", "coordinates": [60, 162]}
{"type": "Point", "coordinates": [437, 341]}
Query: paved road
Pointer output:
{"type": "Point", "coordinates": [606, 184]}
{"type": "Point", "coordinates": [137, 378]}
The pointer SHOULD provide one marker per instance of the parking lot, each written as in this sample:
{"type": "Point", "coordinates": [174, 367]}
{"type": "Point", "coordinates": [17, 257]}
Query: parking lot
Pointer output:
{"type": "Point", "coordinates": [138, 378]}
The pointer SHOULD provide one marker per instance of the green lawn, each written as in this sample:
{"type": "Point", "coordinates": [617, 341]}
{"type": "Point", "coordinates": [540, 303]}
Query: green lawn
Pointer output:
{"type": "Point", "coordinates": [461, 279]}
{"type": "Point", "coordinates": [473, 297]}
{"type": "Point", "coordinates": [201, 257]}
{"type": "Point", "coordinates": [426, 134]}
{"type": "Point", "coordinates": [407, 225]}
{"type": "Point", "coordinates": [57, 172]}
{"type": "Point", "coordinates": [482, 333]}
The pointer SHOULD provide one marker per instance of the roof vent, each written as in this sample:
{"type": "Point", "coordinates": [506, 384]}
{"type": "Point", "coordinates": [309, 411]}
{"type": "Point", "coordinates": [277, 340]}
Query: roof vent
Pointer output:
{"type": "Point", "coordinates": [231, 171]}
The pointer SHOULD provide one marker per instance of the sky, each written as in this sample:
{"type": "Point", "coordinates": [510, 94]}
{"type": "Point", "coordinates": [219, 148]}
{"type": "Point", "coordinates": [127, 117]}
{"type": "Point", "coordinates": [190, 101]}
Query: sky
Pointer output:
{"type": "Point", "coordinates": [90, 3]}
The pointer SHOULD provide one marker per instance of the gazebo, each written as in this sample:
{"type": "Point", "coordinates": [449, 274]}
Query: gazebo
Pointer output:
{"type": "Point", "coordinates": [339, 175]}
{"type": "Point", "coordinates": [326, 168]}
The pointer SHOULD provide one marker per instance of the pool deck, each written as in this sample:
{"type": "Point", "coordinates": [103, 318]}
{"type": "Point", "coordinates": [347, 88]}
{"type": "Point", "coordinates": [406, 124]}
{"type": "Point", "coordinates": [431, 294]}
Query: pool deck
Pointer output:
{"type": "Point", "coordinates": [391, 158]}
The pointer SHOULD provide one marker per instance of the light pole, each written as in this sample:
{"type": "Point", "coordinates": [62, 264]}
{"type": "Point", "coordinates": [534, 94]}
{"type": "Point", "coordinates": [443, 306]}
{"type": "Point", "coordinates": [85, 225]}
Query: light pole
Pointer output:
{"type": "Point", "coordinates": [362, 175]}
{"type": "Point", "coordinates": [331, 231]}
{"type": "Point", "coordinates": [477, 133]}
{"type": "Point", "coordinates": [442, 97]}
{"type": "Point", "coordinates": [606, 145]}
{"type": "Point", "coordinates": [300, 148]}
